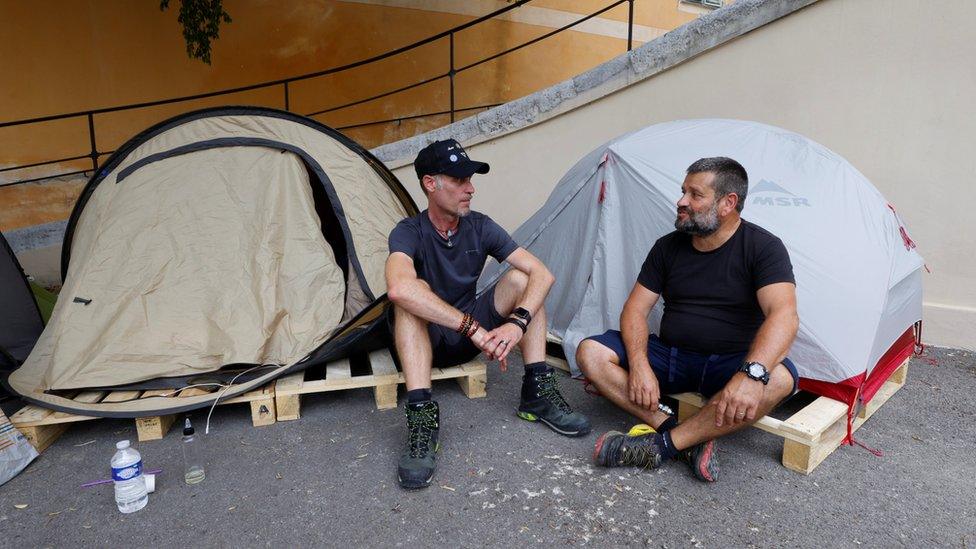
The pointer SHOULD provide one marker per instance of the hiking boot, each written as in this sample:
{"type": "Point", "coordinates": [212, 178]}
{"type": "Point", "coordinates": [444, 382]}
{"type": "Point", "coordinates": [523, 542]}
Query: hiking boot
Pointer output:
{"type": "Point", "coordinates": [541, 401]}
{"type": "Point", "coordinates": [702, 460]}
{"type": "Point", "coordinates": [416, 466]}
{"type": "Point", "coordinates": [638, 448]}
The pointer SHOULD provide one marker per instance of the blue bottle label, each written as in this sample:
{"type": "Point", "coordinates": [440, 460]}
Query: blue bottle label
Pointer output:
{"type": "Point", "coordinates": [126, 473]}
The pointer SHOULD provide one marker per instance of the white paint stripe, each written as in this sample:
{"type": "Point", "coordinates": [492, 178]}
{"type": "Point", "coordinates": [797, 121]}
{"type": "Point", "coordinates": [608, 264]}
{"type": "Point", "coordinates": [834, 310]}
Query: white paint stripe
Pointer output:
{"type": "Point", "coordinates": [946, 306]}
{"type": "Point", "coordinates": [530, 15]}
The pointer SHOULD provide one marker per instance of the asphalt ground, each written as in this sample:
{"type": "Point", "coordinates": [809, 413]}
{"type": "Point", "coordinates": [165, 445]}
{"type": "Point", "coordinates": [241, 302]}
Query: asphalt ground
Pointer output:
{"type": "Point", "coordinates": [328, 479]}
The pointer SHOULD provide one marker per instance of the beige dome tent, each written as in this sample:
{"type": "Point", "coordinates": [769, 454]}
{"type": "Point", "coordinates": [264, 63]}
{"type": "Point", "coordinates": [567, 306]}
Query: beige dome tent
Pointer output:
{"type": "Point", "coordinates": [229, 244]}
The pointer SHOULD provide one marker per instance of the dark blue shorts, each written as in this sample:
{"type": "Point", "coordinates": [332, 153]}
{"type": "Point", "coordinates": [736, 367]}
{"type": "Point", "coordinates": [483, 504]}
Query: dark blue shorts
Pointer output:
{"type": "Point", "coordinates": [451, 348]}
{"type": "Point", "coordinates": [680, 371]}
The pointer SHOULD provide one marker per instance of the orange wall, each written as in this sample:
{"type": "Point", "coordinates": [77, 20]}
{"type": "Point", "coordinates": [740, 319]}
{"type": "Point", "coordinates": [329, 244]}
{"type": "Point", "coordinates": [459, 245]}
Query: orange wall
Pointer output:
{"type": "Point", "coordinates": [62, 56]}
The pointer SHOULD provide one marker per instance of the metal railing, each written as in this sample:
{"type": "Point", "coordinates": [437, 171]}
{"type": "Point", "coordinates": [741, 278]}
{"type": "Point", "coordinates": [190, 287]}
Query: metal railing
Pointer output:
{"type": "Point", "coordinates": [286, 83]}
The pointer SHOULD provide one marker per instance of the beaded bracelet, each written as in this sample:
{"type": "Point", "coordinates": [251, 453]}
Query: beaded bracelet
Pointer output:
{"type": "Point", "coordinates": [475, 326]}
{"type": "Point", "coordinates": [466, 321]}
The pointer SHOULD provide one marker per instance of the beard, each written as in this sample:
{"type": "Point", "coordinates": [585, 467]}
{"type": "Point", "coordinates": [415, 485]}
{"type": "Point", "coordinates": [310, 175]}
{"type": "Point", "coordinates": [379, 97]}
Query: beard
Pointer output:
{"type": "Point", "coordinates": [698, 223]}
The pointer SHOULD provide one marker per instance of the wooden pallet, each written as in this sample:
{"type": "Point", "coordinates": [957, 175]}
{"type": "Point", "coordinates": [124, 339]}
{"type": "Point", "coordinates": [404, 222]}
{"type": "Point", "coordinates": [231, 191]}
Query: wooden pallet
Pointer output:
{"type": "Point", "coordinates": [42, 426]}
{"type": "Point", "coordinates": [554, 353]}
{"type": "Point", "coordinates": [813, 433]}
{"type": "Point", "coordinates": [383, 379]}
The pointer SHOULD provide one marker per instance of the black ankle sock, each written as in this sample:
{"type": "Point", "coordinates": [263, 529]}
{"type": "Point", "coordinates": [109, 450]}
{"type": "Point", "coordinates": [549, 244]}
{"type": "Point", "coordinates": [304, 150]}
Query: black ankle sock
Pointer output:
{"type": "Point", "coordinates": [667, 425]}
{"type": "Point", "coordinates": [668, 451]}
{"type": "Point", "coordinates": [418, 395]}
{"type": "Point", "coordinates": [536, 368]}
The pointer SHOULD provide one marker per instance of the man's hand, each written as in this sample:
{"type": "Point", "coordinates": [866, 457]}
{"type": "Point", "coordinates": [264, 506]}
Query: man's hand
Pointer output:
{"type": "Point", "coordinates": [499, 342]}
{"type": "Point", "coordinates": [643, 388]}
{"type": "Point", "coordinates": [739, 400]}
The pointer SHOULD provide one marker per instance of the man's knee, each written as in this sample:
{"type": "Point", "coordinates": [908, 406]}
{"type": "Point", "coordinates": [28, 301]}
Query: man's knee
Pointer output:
{"type": "Point", "coordinates": [404, 319]}
{"type": "Point", "coordinates": [515, 280]}
{"type": "Point", "coordinates": [592, 357]}
{"type": "Point", "coordinates": [781, 382]}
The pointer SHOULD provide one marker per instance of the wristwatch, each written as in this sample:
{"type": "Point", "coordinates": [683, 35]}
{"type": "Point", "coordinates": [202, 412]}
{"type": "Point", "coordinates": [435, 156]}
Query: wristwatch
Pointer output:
{"type": "Point", "coordinates": [522, 314]}
{"type": "Point", "coordinates": [756, 371]}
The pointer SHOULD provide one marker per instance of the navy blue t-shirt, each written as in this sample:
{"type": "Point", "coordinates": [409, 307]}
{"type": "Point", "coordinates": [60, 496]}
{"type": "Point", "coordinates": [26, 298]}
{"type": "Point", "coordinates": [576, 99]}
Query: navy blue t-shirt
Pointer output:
{"type": "Point", "coordinates": [452, 267]}
{"type": "Point", "coordinates": [710, 303]}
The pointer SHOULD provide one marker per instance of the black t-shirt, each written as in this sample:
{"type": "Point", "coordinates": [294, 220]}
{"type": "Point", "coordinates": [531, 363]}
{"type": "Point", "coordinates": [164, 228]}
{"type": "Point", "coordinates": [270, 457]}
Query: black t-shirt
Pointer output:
{"type": "Point", "coordinates": [452, 269]}
{"type": "Point", "coordinates": [710, 303]}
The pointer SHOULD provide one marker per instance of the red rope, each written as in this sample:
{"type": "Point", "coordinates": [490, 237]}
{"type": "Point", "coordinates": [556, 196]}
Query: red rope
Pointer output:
{"type": "Point", "coordinates": [874, 451]}
{"type": "Point", "coordinates": [906, 240]}
{"type": "Point", "coordinates": [921, 349]}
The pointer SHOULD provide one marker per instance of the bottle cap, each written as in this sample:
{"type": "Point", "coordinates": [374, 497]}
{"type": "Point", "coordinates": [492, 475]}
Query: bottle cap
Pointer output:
{"type": "Point", "coordinates": [187, 428]}
{"type": "Point", "coordinates": [122, 444]}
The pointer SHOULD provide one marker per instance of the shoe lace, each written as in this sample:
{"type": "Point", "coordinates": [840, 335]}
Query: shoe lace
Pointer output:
{"type": "Point", "coordinates": [420, 424]}
{"type": "Point", "coordinates": [641, 451]}
{"type": "Point", "coordinates": [549, 390]}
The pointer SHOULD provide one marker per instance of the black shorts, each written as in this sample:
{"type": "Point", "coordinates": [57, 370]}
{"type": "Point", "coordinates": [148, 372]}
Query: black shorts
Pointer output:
{"type": "Point", "coordinates": [451, 348]}
{"type": "Point", "coordinates": [680, 371]}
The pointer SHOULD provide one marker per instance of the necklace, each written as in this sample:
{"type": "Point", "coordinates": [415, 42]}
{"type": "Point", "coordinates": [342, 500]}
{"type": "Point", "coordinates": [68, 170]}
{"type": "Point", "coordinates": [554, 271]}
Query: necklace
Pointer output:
{"type": "Point", "coordinates": [446, 235]}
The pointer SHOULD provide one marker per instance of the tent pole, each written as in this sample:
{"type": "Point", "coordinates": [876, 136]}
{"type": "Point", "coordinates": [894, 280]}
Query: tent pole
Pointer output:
{"type": "Point", "coordinates": [450, 75]}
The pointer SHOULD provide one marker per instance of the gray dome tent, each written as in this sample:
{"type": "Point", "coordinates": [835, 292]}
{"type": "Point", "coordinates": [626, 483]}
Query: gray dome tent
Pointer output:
{"type": "Point", "coordinates": [859, 277]}
{"type": "Point", "coordinates": [229, 244]}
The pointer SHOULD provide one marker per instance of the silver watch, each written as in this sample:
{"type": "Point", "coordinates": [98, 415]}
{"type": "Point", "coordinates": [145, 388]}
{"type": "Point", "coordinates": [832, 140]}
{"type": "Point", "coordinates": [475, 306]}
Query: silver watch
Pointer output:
{"type": "Point", "coordinates": [756, 371]}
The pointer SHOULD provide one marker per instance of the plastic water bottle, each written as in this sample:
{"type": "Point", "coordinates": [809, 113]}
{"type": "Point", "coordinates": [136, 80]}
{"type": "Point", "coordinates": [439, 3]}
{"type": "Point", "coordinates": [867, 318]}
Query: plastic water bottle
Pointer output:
{"type": "Point", "coordinates": [193, 464]}
{"type": "Point", "coordinates": [130, 486]}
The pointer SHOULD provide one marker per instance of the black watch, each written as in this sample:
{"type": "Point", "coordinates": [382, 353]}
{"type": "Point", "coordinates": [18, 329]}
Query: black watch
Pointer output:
{"type": "Point", "coordinates": [522, 314]}
{"type": "Point", "coordinates": [756, 371]}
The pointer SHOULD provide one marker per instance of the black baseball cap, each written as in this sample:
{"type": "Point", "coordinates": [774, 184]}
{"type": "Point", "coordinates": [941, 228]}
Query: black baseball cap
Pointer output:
{"type": "Point", "coordinates": [447, 157]}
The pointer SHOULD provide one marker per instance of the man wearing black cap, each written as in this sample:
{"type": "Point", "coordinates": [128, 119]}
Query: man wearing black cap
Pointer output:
{"type": "Point", "coordinates": [431, 275]}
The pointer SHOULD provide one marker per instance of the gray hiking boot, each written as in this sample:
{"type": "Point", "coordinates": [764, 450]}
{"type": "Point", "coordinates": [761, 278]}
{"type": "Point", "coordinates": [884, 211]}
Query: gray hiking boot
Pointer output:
{"type": "Point", "coordinates": [542, 401]}
{"type": "Point", "coordinates": [416, 466]}
{"type": "Point", "coordinates": [614, 448]}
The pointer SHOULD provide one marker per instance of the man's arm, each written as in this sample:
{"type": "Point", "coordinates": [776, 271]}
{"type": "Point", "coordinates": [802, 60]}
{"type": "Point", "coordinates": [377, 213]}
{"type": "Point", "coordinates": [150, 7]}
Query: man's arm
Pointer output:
{"type": "Point", "coordinates": [643, 386]}
{"type": "Point", "coordinates": [540, 279]}
{"type": "Point", "coordinates": [738, 402]}
{"type": "Point", "coordinates": [532, 299]}
{"type": "Point", "coordinates": [406, 290]}
{"type": "Point", "coordinates": [777, 332]}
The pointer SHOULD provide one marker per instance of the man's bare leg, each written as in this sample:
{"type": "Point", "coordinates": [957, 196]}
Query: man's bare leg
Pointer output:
{"type": "Point", "coordinates": [413, 347]}
{"type": "Point", "coordinates": [601, 366]}
{"type": "Point", "coordinates": [507, 293]}
{"type": "Point", "coordinates": [416, 466]}
{"type": "Point", "coordinates": [701, 427]}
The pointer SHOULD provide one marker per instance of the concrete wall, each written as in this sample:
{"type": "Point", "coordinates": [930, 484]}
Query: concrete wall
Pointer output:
{"type": "Point", "coordinates": [886, 84]}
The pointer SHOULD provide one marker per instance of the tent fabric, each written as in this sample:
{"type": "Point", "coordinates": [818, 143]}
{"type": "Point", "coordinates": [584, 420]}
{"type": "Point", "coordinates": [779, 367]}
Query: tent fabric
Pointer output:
{"type": "Point", "coordinates": [858, 274]}
{"type": "Point", "coordinates": [210, 245]}
{"type": "Point", "coordinates": [21, 322]}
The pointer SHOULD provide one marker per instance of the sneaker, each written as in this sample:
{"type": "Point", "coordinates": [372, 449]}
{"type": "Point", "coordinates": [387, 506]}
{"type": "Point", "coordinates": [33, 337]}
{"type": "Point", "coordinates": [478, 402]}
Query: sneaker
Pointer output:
{"type": "Point", "coordinates": [541, 401]}
{"type": "Point", "coordinates": [638, 448]}
{"type": "Point", "coordinates": [416, 466]}
{"type": "Point", "coordinates": [702, 460]}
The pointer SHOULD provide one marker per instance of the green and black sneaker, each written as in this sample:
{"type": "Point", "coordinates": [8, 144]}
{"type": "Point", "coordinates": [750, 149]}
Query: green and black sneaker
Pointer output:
{"type": "Point", "coordinates": [541, 401]}
{"type": "Point", "coordinates": [416, 466]}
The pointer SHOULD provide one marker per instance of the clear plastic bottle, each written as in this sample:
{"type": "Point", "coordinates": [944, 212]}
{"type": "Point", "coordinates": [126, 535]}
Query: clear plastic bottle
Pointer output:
{"type": "Point", "coordinates": [193, 465]}
{"type": "Point", "coordinates": [130, 486]}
